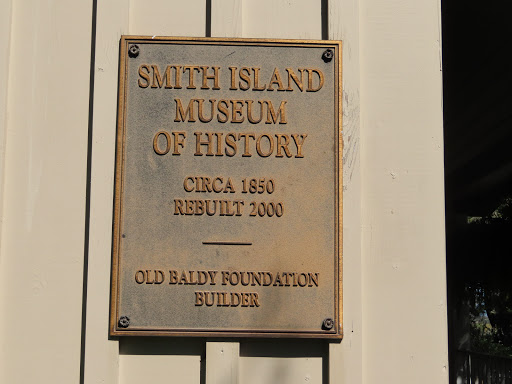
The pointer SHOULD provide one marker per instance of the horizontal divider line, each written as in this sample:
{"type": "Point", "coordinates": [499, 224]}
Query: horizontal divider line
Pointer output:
{"type": "Point", "coordinates": [226, 243]}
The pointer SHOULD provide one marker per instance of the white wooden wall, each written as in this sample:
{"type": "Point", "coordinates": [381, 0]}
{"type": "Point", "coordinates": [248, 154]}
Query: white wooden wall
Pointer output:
{"type": "Point", "coordinates": [55, 231]}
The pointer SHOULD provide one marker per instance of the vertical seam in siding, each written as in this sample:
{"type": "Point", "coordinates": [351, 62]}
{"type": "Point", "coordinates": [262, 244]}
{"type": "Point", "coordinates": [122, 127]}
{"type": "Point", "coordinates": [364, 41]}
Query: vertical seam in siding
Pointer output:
{"type": "Point", "coordinates": [88, 191]}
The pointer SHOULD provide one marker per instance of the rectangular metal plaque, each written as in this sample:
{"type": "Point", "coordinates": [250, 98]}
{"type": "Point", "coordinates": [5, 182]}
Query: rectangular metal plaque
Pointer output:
{"type": "Point", "coordinates": [227, 214]}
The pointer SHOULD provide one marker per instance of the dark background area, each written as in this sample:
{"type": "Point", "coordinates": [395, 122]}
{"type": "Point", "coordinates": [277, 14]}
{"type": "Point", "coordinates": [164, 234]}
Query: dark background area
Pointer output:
{"type": "Point", "coordinates": [477, 94]}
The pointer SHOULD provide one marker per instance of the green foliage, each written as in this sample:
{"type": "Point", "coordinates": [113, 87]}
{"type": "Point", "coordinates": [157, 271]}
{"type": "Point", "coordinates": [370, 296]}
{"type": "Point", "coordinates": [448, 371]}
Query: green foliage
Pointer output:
{"type": "Point", "coordinates": [485, 339]}
{"type": "Point", "coordinates": [490, 301]}
{"type": "Point", "coordinates": [504, 210]}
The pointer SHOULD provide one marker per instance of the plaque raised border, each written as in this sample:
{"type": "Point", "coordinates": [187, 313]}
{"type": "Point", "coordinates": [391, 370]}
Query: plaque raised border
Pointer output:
{"type": "Point", "coordinates": [118, 322]}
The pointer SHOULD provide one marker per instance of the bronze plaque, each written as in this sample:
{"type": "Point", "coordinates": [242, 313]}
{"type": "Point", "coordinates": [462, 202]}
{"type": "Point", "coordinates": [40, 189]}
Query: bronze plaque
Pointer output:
{"type": "Point", "coordinates": [228, 188]}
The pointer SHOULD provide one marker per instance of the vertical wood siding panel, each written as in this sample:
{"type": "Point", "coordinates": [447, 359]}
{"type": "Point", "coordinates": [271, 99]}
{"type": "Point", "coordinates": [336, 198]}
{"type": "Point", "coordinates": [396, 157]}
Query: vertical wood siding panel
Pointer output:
{"type": "Point", "coordinates": [41, 261]}
{"type": "Point", "coordinates": [222, 358]}
{"type": "Point", "coordinates": [345, 358]}
{"type": "Point", "coordinates": [283, 19]}
{"type": "Point", "coordinates": [284, 361]}
{"type": "Point", "coordinates": [137, 369]}
{"type": "Point", "coordinates": [279, 370]}
{"type": "Point", "coordinates": [5, 43]}
{"type": "Point", "coordinates": [168, 17]}
{"type": "Point", "coordinates": [162, 18]}
{"type": "Point", "coordinates": [222, 363]}
{"type": "Point", "coordinates": [403, 193]}
{"type": "Point", "coordinates": [292, 20]}
{"type": "Point", "coordinates": [227, 18]}
{"type": "Point", "coordinates": [101, 354]}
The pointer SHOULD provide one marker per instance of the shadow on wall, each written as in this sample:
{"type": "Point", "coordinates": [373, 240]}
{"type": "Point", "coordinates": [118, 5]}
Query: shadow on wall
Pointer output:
{"type": "Point", "coordinates": [261, 361]}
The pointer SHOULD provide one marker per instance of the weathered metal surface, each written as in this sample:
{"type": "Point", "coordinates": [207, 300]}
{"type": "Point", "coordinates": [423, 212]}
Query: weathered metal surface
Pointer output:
{"type": "Point", "coordinates": [227, 202]}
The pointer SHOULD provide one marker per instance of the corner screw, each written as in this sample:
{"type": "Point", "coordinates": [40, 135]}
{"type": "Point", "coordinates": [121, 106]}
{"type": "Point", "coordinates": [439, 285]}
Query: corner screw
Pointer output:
{"type": "Point", "coordinates": [328, 323]}
{"type": "Point", "coordinates": [327, 55]}
{"type": "Point", "coordinates": [133, 51]}
{"type": "Point", "coordinates": [124, 322]}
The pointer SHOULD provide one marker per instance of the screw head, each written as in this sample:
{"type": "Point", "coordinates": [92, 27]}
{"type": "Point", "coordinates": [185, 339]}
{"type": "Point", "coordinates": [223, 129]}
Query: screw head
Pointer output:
{"type": "Point", "coordinates": [133, 51]}
{"type": "Point", "coordinates": [124, 322]}
{"type": "Point", "coordinates": [328, 324]}
{"type": "Point", "coordinates": [327, 55]}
